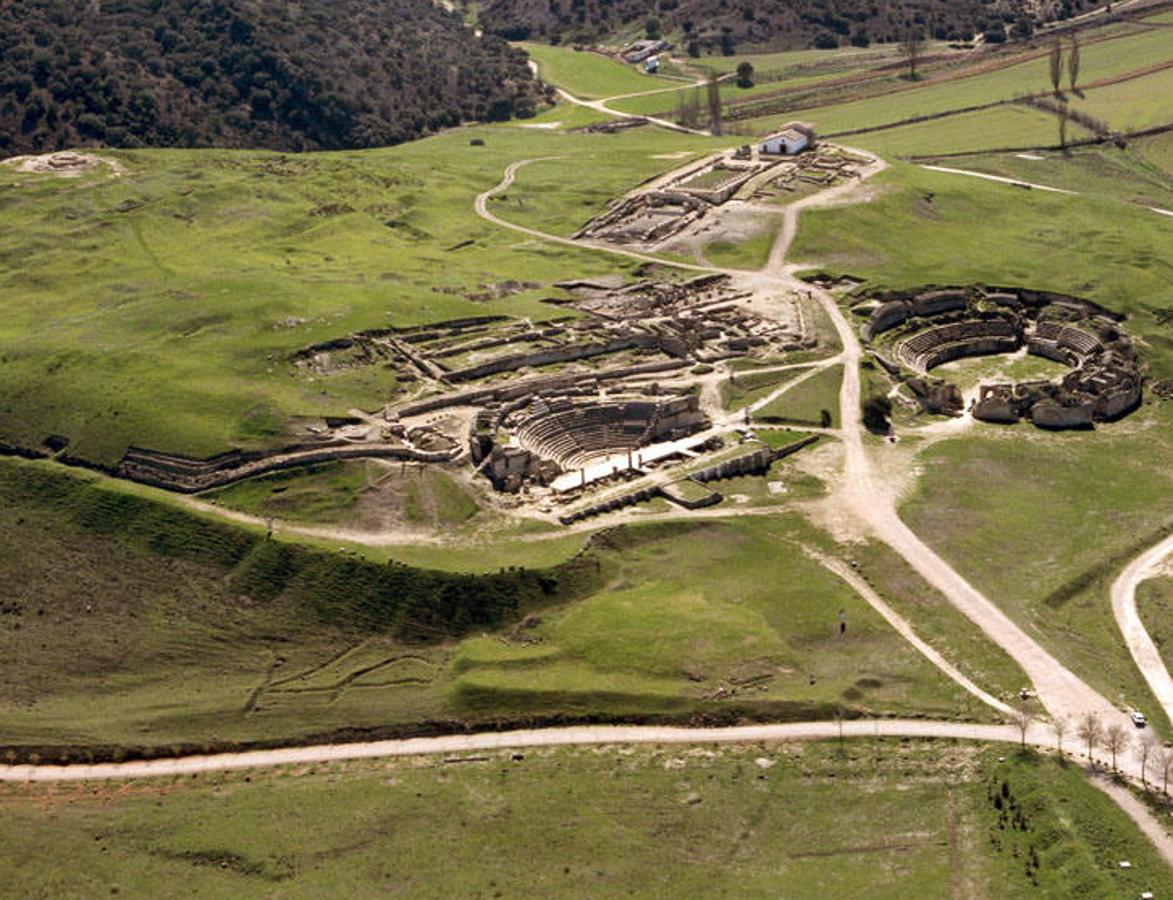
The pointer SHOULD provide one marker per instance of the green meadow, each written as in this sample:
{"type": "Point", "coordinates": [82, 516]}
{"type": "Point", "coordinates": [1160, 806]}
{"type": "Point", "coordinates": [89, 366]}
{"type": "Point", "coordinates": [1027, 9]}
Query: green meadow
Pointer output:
{"type": "Point", "coordinates": [160, 308]}
{"type": "Point", "coordinates": [883, 819]}
{"type": "Point", "coordinates": [1121, 52]}
{"type": "Point", "coordinates": [590, 75]}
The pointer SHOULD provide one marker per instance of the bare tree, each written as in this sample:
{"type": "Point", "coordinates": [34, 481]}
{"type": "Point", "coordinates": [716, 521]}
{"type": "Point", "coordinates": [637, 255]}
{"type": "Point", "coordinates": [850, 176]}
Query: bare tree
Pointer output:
{"type": "Point", "coordinates": [1146, 749]}
{"type": "Point", "coordinates": [911, 47]}
{"type": "Point", "coordinates": [1073, 62]}
{"type": "Point", "coordinates": [1056, 61]}
{"type": "Point", "coordinates": [688, 112]}
{"type": "Point", "coordinates": [1116, 740]}
{"type": "Point", "coordinates": [714, 94]}
{"type": "Point", "coordinates": [1022, 717]}
{"type": "Point", "coordinates": [1060, 725]}
{"type": "Point", "coordinates": [1164, 760]}
{"type": "Point", "coordinates": [1090, 731]}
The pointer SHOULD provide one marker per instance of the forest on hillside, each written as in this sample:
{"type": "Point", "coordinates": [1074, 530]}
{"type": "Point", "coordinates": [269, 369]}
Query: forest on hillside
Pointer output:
{"type": "Point", "coordinates": [301, 75]}
{"type": "Point", "coordinates": [730, 26]}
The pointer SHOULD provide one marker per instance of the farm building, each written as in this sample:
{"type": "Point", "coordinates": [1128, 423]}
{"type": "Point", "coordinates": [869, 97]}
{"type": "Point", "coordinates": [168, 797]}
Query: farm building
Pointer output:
{"type": "Point", "coordinates": [641, 50]}
{"type": "Point", "coordinates": [794, 138]}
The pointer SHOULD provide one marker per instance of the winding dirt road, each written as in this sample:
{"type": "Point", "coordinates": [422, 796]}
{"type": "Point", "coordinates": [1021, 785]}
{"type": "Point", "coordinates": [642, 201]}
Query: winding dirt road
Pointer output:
{"type": "Point", "coordinates": [1140, 645]}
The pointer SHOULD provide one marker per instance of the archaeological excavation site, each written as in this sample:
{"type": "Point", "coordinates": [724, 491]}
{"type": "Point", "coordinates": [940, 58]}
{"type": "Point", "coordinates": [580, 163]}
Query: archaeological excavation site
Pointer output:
{"type": "Point", "coordinates": [911, 334]}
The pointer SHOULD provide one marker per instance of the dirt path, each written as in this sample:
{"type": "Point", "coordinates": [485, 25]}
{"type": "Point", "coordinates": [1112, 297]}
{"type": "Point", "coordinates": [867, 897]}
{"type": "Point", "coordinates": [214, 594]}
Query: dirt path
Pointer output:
{"type": "Point", "coordinates": [821, 200]}
{"type": "Point", "coordinates": [999, 178]}
{"type": "Point", "coordinates": [588, 735]}
{"type": "Point", "coordinates": [1016, 182]}
{"type": "Point", "coordinates": [1140, 645]}
{"type": "Point", "coordinates": [903, 628]}
{"type": "Point", "coordinates": [601, 106]}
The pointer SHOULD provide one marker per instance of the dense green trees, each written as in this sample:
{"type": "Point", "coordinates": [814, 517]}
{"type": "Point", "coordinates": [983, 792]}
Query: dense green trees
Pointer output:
{"type": "Point", "coordinates": [729, 26]}
{"type": "Point", "coordinates": [322, 74]}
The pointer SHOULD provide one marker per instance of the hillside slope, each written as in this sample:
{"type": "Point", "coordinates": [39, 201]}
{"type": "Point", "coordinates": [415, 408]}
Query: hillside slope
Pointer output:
{"type": "Point", "coordinates": [308, 75]}
{"type": "Point", "coordinates": [719, 25]}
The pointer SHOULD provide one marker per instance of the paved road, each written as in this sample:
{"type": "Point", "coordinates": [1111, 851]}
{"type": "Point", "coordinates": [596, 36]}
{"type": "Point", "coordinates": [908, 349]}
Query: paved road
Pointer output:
{"type": "Point", "coordinates": [1140, 645]}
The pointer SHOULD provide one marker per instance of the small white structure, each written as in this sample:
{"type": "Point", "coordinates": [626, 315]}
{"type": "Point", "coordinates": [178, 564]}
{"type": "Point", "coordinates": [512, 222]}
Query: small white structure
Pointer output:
{"type": "Point", "coordinates": [641, 50]}
{"type": "Point", "coordinates": [794, 138]}
{"type": "Point", "coordinates": [652, 65]}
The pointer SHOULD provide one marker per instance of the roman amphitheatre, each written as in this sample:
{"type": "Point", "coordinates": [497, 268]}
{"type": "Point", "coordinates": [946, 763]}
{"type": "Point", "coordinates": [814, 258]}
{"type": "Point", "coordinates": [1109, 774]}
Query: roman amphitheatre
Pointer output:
{"type": "Point", "coordinates": [620, 453]}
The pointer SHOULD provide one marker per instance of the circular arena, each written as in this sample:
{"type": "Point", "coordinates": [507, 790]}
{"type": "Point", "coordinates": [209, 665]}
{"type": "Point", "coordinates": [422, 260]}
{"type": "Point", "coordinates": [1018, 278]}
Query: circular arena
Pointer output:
{"type": "Point", "coordinates": [913, 333]}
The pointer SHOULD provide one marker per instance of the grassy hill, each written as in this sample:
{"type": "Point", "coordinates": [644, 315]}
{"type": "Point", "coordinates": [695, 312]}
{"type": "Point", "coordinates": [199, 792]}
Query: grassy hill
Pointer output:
{"type": "Point", "coordinates": [138, 625]}
{"type": "Point", "coordinates": [247, 73]}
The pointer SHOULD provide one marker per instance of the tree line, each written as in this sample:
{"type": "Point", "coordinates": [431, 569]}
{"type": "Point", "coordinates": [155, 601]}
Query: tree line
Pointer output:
{"type": "Point", "coordinates": [722, 26]}
{"type": "Point", "coordinates": [321, 74]}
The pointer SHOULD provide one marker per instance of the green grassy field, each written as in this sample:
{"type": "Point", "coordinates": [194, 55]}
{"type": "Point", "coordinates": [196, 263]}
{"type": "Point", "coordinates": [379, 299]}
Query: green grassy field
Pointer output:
{"type": "Point", "coordinates": [791, 60]}
{"type": "Point", "coordinates": [937, 622]}
{"type": "Point", "coordinates": [750, 252]}
{"type": "Point", "coordinates": [739, 614]}
{"type": "Point", "coordinates": [1130, 51]}
{"type": "Point", "coordinates": [588, 75]}
{"type": "Point", "coordinates": [1154, 601]}
{"type": "Point", "coordinates": [1157, 151]}
{"type": "Point", "coordinates": [1093, 247]}
{"type": "Point", "coordinates": [806, 402]}
{"type": "Point", "coordinates": [160, 308]}
{"type": "Point", "coordinates": [1128, 175]}
{"type": "Point", "coordinates": [1131, 105]}
{"type": "Point", "coordinates": [355, 493]}
{"type": "Point", "coordinates": [883, 819]}
{"type": "Point", "coordinates": [746, 388]}
{"type": "Point", "coordinates": [990, 129]}
{"type": "Point", "coordinates": [1042, 522]}
{"type": "Point", "coordinates": [969, 373]}
{"type": "Point", "coordinates": [322, 493]}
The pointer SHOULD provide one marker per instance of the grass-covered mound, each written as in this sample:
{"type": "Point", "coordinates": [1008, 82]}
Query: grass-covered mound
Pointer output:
{"type": "Point", "coordinates": [135, 625]}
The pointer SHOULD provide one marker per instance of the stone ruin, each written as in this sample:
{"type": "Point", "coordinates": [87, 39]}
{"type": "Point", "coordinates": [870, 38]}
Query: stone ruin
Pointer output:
{"type": "Point", "coordinates": [535, 400]}
{"type": "Point", "coordinates": [648, 218]}
{"type": "Point", "coordinates": [604, 391]}
{"type": "Point", "coordinates": [550, 436]}
{"type": "Point", "coordinates": [912, 334]}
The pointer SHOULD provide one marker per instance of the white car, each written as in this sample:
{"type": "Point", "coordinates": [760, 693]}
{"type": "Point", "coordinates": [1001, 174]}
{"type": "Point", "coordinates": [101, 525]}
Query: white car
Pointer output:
{"type": "Point", "coordinates": [1139, 720]}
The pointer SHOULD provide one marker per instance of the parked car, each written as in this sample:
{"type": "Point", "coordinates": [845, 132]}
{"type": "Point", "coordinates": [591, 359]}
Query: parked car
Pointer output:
{"type": "Point", "coordinates": [1139, 720]}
